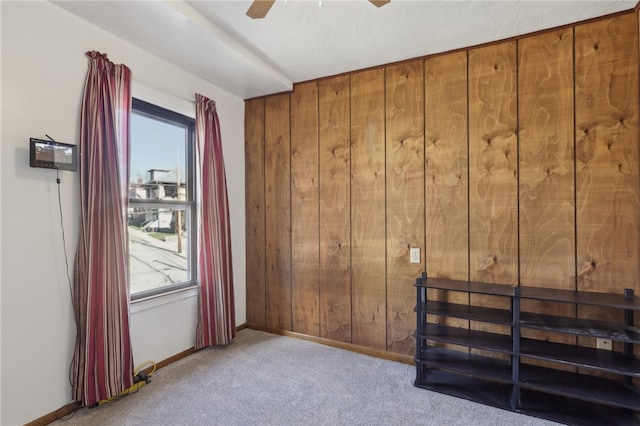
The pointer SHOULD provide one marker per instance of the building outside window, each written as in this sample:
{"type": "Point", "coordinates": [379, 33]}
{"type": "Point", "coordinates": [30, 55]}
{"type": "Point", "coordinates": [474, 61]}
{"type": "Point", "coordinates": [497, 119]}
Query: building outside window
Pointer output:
{"type": "Point", "coordinates": [161, 201]}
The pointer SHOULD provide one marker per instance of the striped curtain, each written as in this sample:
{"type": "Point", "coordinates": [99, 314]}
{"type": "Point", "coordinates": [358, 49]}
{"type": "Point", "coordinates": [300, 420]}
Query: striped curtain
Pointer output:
{"type": "Point", "coordinates": [103, 362]}
{"type": "Point", "coordinates": [216, 315]}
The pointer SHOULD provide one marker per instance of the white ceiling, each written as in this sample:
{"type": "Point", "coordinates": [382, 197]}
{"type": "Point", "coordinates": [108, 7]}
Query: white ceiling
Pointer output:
{"type": "Point", "coordinates": [301, 40]}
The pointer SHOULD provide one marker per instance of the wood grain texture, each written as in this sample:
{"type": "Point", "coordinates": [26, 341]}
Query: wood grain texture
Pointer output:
{"type": "Point", "coordinates": [368, 218]}
{"type": "Point", "coordinates": [305, 214]}
{"type": "Point", "coordinates": [255, 211]}
{"type": "Point", "coordinates": [447, 176]}
{"type": "Point", "coordinates": [547, 207]}
{"type": "Point", "coordinates": [493, 175]}
{"type": "Point", "coordinates": [446, 165]}
{"type": "Point", "coordinates": [607, 159]}
{"type": "Point", "coordinates": [493, 152]}
{"type": "Point", "coordinates": [405, 198]}
{"type": "Point", "coordinates": [607, 154]}
{"type": "Point", "coordinates": [335, 195]}
{"type": "Point", "coordinates": [605, 185]}
{"type": "Point", "coordinates": [278, 211]}
{"type": "Point", "coordinates": [547, 184]}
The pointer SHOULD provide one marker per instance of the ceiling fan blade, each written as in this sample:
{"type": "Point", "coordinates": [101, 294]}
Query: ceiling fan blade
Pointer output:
{"type": "Point", "coordinates": [379, 3]}
{"type": "Point", "coordinates": [259, 8]}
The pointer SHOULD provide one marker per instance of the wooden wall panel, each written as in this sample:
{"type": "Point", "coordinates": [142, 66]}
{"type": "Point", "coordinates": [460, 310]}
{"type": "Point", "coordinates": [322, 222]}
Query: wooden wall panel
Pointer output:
{"type": "Point", "coordinates": [255, 210]}
{"type": "Point", "coordinates": [368, 219]}
{"type": "Point", "coordinates": [547, 207]}
{"type": "Point", "coordinates": [493, 175]}
{"type": "Point", "coordinates": [278, 211]}
{"type": "Point", "coordinates": [305, 220]}
{"type": "Point", "coordinates": [493, 152]}
{"type": "Point", "coordinates": [446, 162]}
{"type": "Point", "coordinates": [607, 157]}
{"type": "Point", "coordinates": [543, 207]}
{"type": "Point", "coordinates": [447, 174]}
{"type": "Point", "coordinates": [335, 195]}
{"type": "Point", "coordinates": [607, 153]}
{"type": "Point", "coordinates": [405, 198]}
{"type": "Point", "coordinates": [547, 189]}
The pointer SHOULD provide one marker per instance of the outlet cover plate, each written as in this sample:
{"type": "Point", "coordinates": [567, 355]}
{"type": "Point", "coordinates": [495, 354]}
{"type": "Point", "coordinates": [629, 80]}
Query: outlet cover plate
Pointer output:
{"type": "Point", "coordinates": [414, 255]}
{"type": "Point", "coordinates": [604, 344]}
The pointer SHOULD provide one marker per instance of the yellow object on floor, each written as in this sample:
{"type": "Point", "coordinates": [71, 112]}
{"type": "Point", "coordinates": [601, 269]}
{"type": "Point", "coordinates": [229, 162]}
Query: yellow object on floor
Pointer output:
{"type": "Point", "coordinates": [128, 391]}
{"type": "Point", "coordinates": [142, 379]}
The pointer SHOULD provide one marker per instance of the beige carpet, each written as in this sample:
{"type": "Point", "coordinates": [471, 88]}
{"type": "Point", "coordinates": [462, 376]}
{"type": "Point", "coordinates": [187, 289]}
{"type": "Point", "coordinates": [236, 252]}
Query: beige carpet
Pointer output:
{"type": "Point", "coordinates": [265, 379]}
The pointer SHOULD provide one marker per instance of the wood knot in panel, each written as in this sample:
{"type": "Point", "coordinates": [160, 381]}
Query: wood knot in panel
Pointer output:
{"type": "Point", "coordinates": [596, 46]}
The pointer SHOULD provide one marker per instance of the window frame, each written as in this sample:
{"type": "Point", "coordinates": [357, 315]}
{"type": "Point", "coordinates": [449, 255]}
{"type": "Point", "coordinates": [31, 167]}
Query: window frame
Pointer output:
{"type": "Point", "coordinates": [158, 113]}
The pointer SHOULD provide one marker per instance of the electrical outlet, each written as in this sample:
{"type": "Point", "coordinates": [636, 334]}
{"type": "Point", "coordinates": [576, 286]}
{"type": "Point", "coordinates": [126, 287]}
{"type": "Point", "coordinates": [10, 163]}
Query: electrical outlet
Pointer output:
{"type": "Point", "coordinates": [603, 344]}
{"type": "Point", "coordinates": [414, 255]}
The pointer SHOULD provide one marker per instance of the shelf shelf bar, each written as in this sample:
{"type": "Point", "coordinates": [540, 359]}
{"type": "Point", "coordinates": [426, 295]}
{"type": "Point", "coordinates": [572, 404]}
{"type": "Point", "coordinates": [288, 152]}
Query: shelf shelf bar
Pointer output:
{"type": "Point", "coordinates": [618, 301]}
{"type": "Point", "coordinates": [469, 338]}
{"type": "Point", "coordinates": [580, 386]}
{"type": "Point", "coordinates": [580, 356]}
{"type": "Point", "coordinates": [468, 286]}
{"type": "Point", "coordinates": [581, 327]}
{"type": "Point", "coordinates": [472, 365]}
{"type": "Point", "coordinates": [470, 388]}
{"type": "Point", "coordinates": [470, 312]}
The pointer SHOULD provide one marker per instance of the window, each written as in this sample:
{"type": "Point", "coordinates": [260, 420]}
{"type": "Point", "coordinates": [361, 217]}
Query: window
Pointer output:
{"type": "Point", "coordinates": [161, 201]}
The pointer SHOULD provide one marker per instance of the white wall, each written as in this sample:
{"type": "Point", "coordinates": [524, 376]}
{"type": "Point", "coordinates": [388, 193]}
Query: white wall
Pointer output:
{"type": "Point", "coordinates": [43, 71]}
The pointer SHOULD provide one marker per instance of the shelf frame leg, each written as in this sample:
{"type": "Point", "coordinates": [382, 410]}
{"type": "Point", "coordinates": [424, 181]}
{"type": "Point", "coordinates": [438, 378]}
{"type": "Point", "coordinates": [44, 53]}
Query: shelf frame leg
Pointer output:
{"type": "Point", "coordinates": [421, 321]}
{"type": "Point", "coordinates": [515, 356]}
{"type": "Point", "coordinates": [628, 320]}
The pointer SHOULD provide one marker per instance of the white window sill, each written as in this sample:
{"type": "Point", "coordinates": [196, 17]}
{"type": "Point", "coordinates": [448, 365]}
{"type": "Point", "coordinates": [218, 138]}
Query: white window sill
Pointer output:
{"type": "Point", "coordinates": [162, 299]}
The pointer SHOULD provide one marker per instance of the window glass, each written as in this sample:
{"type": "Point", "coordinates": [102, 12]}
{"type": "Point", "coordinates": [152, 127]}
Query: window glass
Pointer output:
{"type": "Point", "coordinates": [160, 214]}
{"type": "Point", "coordinates": [157, 158]}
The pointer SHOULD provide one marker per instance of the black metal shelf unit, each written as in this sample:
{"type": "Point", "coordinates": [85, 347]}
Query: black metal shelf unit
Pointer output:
{"type": "Point", "coordinates": [577, 385]}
